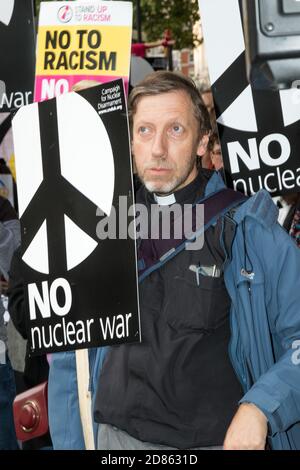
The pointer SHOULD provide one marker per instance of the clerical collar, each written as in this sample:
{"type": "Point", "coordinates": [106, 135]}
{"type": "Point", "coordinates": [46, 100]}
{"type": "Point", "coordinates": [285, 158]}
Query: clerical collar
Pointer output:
{"type": "Point", "coordinates": [165, 200]}
{"type": "Point", "coordinates": [184, 195]}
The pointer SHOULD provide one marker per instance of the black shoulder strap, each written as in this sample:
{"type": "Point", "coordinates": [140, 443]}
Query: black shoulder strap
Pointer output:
{"type": "Point", "coordinates": [153, 254]}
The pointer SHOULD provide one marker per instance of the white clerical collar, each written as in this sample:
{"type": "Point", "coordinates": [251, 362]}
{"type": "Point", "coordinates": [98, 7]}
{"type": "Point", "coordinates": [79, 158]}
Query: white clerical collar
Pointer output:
{"type": "Point", "coordinates": [165, 200]}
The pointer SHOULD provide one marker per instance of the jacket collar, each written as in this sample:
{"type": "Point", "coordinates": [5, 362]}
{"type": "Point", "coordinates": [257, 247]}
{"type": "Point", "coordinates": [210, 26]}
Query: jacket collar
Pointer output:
{"type": "Point", "coordinates": [259, 207]}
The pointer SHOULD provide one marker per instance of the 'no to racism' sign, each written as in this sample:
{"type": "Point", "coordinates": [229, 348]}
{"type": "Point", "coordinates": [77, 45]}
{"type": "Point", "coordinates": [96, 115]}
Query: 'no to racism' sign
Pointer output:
{"type": "Point", "coordinates": [81, 41]}
{"type": "Point", "coordinates": [259, 130]}
{"type": "Point", "coordinates": [82, 291]}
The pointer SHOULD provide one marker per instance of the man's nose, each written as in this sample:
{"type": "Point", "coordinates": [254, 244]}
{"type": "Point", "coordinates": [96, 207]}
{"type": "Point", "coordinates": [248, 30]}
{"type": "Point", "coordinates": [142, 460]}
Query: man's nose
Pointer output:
{"type": "Point", "coordinates": [159, 145]}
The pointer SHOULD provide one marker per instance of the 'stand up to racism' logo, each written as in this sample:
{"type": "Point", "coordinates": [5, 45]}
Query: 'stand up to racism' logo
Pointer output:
{"type": "Point", "coordinates": [65, 14]}
{"type": "Point", "coordinates": [6, 11]}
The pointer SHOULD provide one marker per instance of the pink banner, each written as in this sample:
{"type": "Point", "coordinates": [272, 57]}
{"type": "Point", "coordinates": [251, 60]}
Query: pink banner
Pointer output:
{"type": "Point", "coordinates": [55, 85]}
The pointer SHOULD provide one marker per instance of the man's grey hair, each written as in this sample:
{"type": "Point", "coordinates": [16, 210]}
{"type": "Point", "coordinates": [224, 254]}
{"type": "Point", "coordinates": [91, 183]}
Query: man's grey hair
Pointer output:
{"type": "Point", "coordinates": [165, 82]}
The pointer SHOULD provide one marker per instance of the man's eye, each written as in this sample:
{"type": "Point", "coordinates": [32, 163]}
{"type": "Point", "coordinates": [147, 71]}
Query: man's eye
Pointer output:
{"type": "Point", "coordinates": [177, 129]}
{"type": "Point", "coordinates": [144, 130]}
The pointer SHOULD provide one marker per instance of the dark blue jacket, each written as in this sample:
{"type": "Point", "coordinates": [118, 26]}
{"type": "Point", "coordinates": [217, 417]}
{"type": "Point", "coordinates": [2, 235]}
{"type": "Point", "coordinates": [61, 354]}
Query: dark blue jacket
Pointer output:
{"type": "Point", "coordinates": [262, 275]}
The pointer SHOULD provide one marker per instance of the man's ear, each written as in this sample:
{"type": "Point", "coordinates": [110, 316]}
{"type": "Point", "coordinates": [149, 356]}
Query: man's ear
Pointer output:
{"type": "Point", "coordinates": [202, 147]}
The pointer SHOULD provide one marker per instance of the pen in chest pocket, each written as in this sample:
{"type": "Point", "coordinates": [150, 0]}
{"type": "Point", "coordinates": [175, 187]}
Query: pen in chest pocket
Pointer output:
{"type": "Point", "coordinates": [208, 271]}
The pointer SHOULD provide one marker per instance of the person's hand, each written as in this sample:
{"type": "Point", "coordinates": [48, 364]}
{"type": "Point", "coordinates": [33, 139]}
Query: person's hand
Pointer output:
{"type": "Point", "coordinates": [248, 429]}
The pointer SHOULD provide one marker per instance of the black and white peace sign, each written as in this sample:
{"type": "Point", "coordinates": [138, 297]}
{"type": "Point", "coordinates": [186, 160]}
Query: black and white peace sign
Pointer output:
{"type": "Point", "coordinates": [65, 170]}
{"type": "Point", "coordinates": [227, 66]}
{"type": "Point", "coordinates": [6, 11]}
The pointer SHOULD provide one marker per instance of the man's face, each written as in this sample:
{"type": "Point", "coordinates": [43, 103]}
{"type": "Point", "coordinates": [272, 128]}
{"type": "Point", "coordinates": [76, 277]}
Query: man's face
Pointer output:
{"type": "Point", "coordinates": [165, 141]}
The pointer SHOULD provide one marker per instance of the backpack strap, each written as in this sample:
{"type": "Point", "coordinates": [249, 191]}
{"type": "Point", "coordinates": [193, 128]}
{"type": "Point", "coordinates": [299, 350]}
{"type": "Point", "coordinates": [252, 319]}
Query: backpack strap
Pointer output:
{"type": "Point", "coordinates": [153, 254]}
